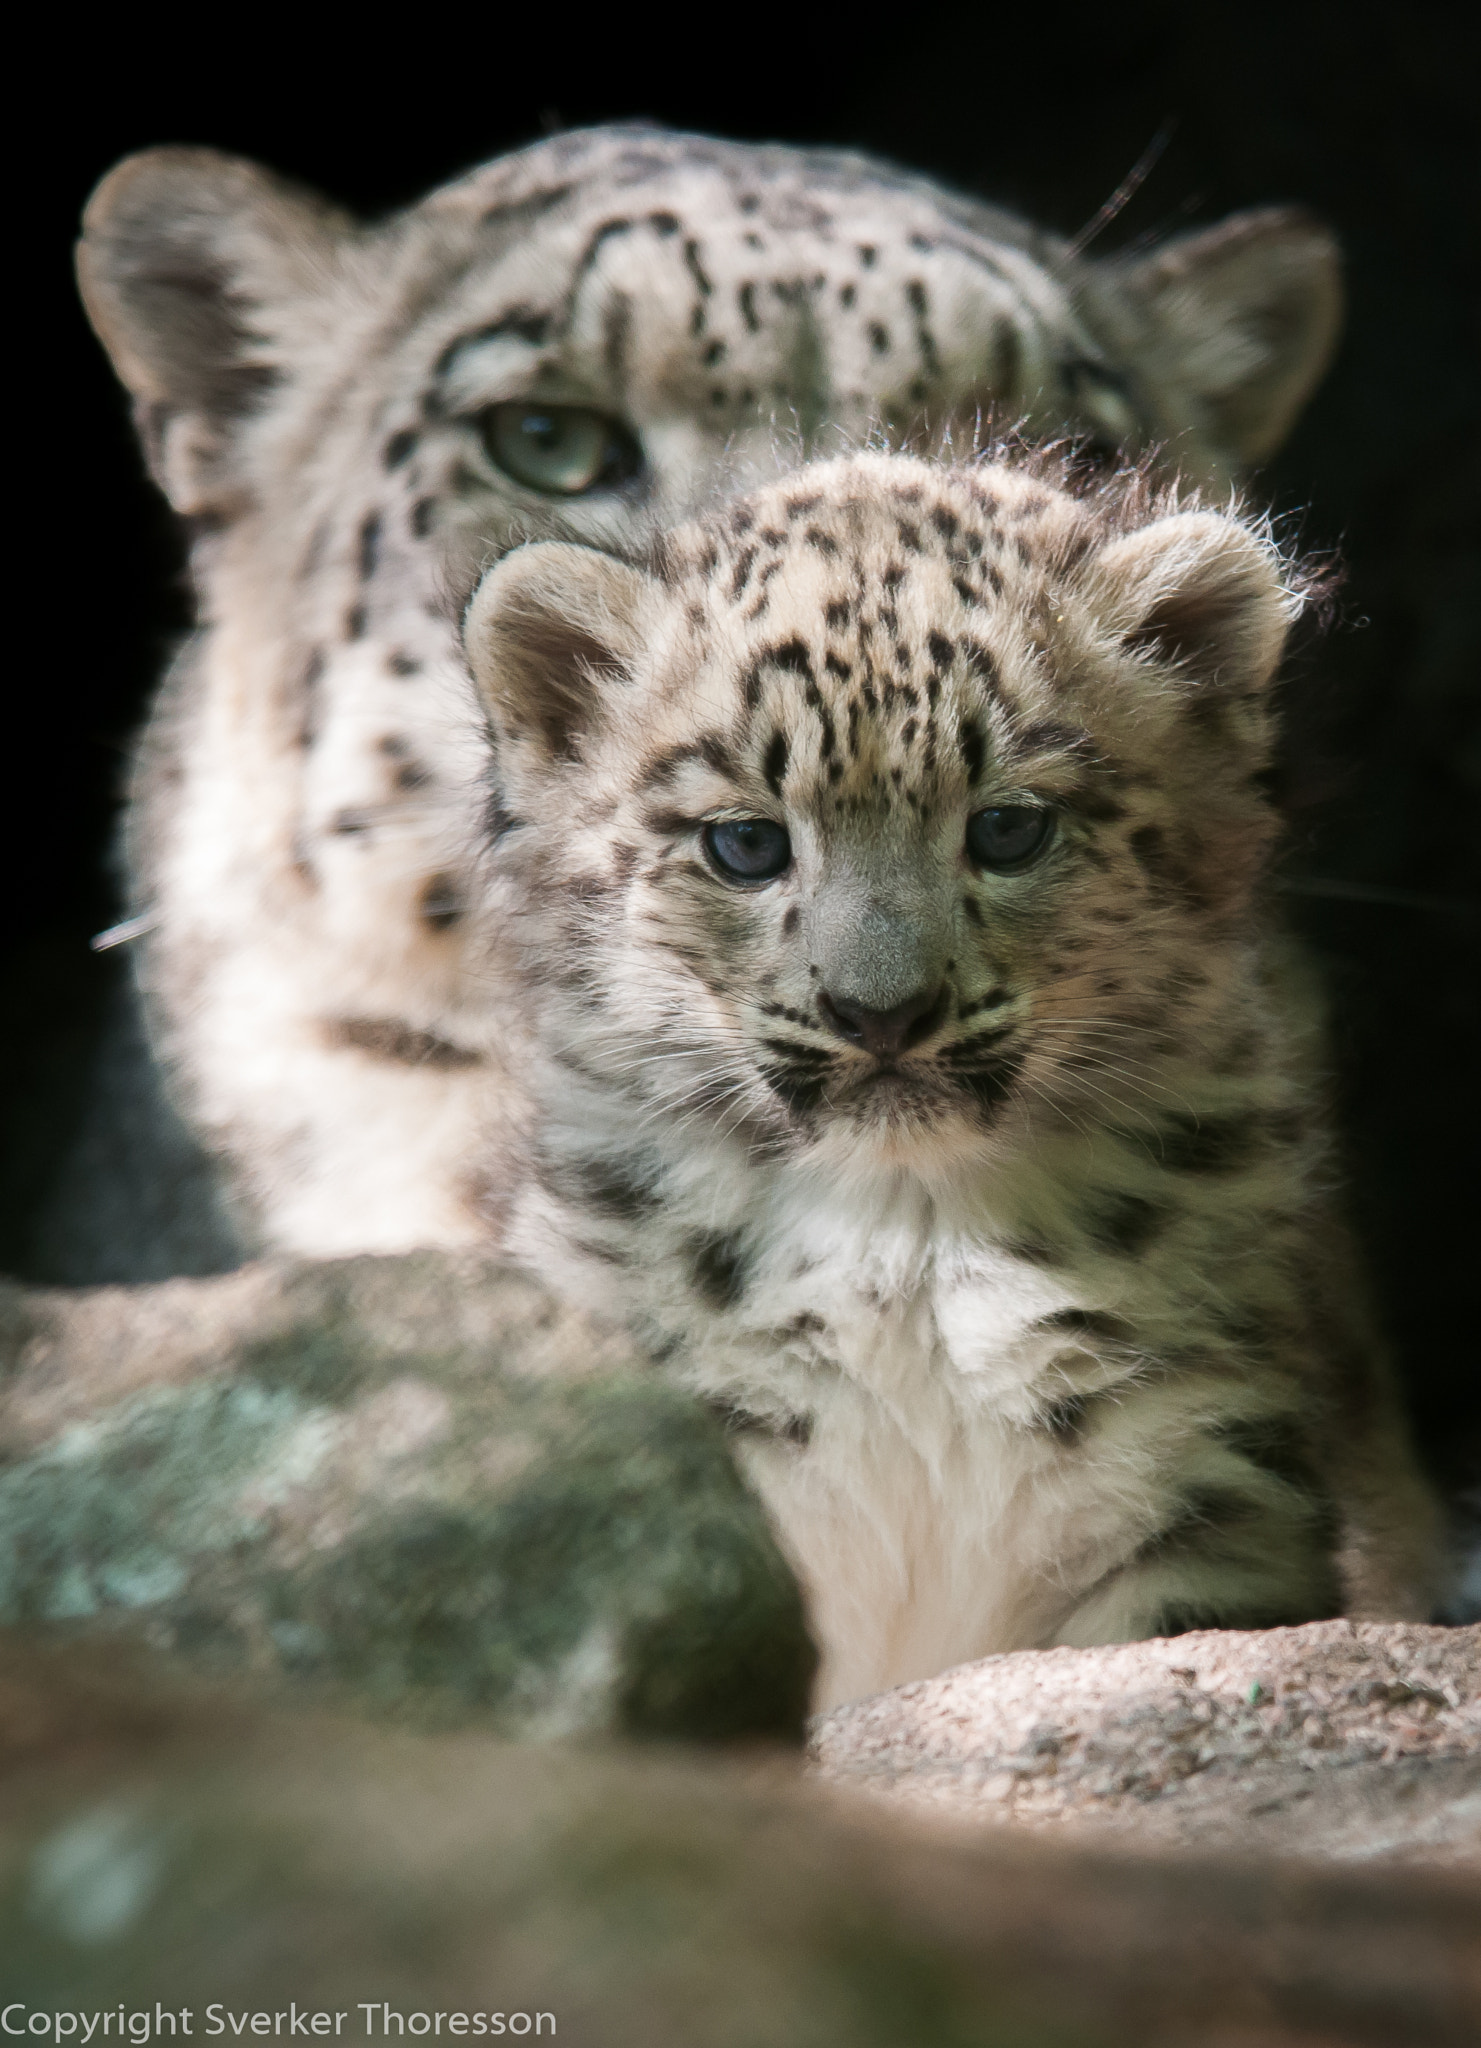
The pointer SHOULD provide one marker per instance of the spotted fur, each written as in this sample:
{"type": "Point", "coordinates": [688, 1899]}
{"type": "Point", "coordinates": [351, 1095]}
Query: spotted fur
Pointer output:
{"type": "Point", "coordinates": [315, 399]}
{"type": "Point", "coordinates": [992, 1207]}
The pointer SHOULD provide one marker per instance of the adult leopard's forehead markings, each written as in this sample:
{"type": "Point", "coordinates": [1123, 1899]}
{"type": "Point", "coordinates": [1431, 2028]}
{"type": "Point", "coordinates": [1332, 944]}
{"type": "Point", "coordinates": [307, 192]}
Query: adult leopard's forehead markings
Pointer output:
{"type": "Point", "coordinates": [764, 300]}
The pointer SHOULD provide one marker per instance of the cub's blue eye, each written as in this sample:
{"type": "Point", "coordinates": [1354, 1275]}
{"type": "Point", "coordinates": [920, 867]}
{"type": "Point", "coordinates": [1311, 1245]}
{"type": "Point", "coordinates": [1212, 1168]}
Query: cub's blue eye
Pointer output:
{"type": "Point", "coordinates": [748, 849]}
{"type": "Point", "coordinates": [1009, 835]}
{"type": "Point", "coordinates": [562, 450]}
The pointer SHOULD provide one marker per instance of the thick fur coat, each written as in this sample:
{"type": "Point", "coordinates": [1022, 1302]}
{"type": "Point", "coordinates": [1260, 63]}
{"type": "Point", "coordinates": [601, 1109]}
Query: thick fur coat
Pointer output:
{"type": "Point", "coordinates": [913, 1058]}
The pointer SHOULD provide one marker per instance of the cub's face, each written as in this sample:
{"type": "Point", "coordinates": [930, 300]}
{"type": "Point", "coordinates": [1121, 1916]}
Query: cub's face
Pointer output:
{"type": "Point", "coordinates": [893, 803]}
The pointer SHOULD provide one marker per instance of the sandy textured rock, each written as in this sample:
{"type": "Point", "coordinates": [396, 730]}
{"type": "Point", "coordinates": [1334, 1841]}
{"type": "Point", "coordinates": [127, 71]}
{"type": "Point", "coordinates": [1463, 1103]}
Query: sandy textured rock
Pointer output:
{"type": "Point", "coordinates": [1341, 1739]}
{"type": "Point", "coordinates": [165, 1844]}
{"type": "Point", "coordinates": [419, 1479]}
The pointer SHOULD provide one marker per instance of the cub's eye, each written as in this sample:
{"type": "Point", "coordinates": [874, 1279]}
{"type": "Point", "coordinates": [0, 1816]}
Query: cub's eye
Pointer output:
{"type": "Point", "coordinates": [560, 449]}
{"type": "Point", "coordinates": [748, 849]}
{"type": "Point", "coordinates": [1008, 836]}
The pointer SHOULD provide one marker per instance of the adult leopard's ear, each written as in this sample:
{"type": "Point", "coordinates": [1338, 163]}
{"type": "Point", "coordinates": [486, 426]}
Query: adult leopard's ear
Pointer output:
{"type": "Point", "coordinates": [198, 271]}
{"type": "Point", "coordinates": [1210, 603]}
{"type": "Point", "coordinates": [1240, 319]}
{"type": "Point", "coordinates": [548, 631]}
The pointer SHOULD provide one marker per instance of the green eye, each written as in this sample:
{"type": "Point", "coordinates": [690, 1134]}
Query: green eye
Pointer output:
{"type": "Point", "coordinates": [560, 449]}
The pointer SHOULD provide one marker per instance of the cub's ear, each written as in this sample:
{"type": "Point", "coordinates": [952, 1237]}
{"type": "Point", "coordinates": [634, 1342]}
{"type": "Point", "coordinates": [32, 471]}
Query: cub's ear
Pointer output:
{"type": "Point", "coordinates": [1243, 319]}
{"type": "Point", "coordinates": [194, 269]}
{"type": "Point", "coordinates": [1202, 594]}
{"type": "Point", "coordinates": [548, 630]}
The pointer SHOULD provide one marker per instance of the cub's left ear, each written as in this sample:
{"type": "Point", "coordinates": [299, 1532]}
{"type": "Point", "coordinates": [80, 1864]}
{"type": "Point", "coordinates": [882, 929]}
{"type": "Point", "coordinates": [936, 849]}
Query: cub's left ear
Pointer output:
{"type": "Point", "coordinates": [1202, 594]}
{"type": "Point", "coordinates": [549, 629]}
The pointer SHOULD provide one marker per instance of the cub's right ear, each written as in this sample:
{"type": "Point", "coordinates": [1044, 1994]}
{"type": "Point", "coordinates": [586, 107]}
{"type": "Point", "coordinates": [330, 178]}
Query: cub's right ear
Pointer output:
{"type": "Point", "coordinates": [197, 270]}
{"type": "Point", "coordinates": [548, 629]}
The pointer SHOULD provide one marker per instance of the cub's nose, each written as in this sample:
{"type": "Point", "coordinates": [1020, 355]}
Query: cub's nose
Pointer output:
{"type": "Point", "coordinates": [885, 1033]}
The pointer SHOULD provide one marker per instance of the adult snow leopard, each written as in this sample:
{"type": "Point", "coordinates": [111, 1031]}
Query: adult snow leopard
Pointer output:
{"type": "Point", "coordinates": [921, 1069]}
{"type": "Point", "coordinates": [563, 342]}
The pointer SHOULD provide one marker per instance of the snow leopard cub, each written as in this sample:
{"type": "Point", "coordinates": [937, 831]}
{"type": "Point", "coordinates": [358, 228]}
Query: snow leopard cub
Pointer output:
{"type": "Point", "coordinates": [925, 1076]}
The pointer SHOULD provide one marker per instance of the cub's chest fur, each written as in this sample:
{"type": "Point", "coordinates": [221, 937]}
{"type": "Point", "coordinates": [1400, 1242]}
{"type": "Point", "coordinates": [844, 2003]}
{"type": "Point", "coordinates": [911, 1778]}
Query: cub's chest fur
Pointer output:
{"type": "Point", "coordinates": [790, 1299]}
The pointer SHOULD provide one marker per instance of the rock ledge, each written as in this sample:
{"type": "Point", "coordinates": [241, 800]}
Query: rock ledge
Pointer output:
{"type": "Point", "coordinates": [1341, 1739]}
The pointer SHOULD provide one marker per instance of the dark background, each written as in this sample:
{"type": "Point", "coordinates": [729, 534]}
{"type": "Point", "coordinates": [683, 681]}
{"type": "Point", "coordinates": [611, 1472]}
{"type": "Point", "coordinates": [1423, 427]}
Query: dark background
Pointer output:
{"type": "Point", "coordinates": [1366, 119]}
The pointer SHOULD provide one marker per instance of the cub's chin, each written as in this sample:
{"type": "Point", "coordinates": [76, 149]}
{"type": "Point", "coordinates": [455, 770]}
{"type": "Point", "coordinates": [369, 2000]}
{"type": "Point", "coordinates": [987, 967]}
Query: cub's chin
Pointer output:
{"type": "Point", "coordinates": [894, 1117]}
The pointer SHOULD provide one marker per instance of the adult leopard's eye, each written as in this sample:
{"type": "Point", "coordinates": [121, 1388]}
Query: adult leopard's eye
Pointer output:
{"type": "Point", "coordinates": [1009, 835]}
{"type": "Point", "coordinates": [748, 849]}
{"type": "Point", "coordinates": [560, 449]}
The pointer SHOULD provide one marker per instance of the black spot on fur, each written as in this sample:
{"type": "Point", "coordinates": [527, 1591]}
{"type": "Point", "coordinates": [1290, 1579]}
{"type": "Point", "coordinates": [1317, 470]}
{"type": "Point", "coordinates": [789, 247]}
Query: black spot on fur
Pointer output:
{"type": "Point", "coordinates": [940, 650]}
{"type": "Point", "coordinates": [989, 1081]}
{"type": "Point", "coordinates": [497, 820]}
{"type": "Point", "coordinates": [441, 904]}
{"type": "Point", "coordinates": [738, 1421]}
{"type": "Point", "coordinates": [1162, 866]}
{"type": "Point", "coordinates": [389, 1039]}
{"type": "Point", "coordinates": [981, 664]}
{"type": "Point", "coordinates": [402, 664]}
{"type": "Point", "coordinates": [1204, 1512]}
{"type": "Point", "coordinates": [356, 620]}
{"type": "Point", "coordinates": [792, 655]}
{"type": "Point", "coordinates": [423, 513]}
{"type": "Point", "coordinates": [696, 269]}
{"type": "Point", "coordinates": [400, 448]}
{"type": "Point", "coordinates": [608, 1186]}
{"type": "Point", "coordinates": [1064, 1420]}
{"type": "Point", "coordinates": [828, 741]}
{"type": "Point", "coordinates": [308, 688]}
{"type": "Point", "coordinates": [1189, 1144]}
{"type": "Point", "coordinates": [526, 323]}
{"type": "Point", "coordinates": [370, 545]}
{"type": "Point", "coordinates": [974, 748]}
{"type": "Point", "coordinates": [774, 767]}
{"type": "Point", "coordinates": [795, 1080]}
{"type": "Point", "coordinates": [719, 1268]}
{"type": "Point", "coordinates": [1093, 801]}
{"type": "Point", "coordinates": [791, 918]}
{"type": "Point", "coordinates": [1087, 1322]}
{"type": "Point", "coordinates": [1277, 1444]}
{"type": "Point", "coordinates": [1047, 735]}
{"type": "Point", "coordinates": [709, 748]}
{"type": "Point", "coordinates": [1121, 1222]}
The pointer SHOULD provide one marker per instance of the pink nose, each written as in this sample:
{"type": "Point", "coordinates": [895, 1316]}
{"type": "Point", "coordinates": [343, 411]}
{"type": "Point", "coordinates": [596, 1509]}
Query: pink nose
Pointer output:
{"type": "Point", "coordinates": [885, 1033]}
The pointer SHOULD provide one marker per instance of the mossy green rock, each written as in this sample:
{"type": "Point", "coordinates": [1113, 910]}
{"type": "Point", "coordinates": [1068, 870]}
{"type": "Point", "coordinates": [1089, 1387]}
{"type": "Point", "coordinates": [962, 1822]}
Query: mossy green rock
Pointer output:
{"type": "Point", "coordinates": [435, 1488]}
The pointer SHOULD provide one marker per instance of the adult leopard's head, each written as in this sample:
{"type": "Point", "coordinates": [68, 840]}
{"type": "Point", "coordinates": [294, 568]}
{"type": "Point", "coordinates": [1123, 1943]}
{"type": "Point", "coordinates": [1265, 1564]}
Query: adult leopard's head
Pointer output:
{"type": "Point", "coordinates": [586, 327]}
